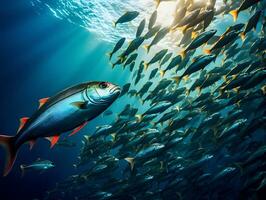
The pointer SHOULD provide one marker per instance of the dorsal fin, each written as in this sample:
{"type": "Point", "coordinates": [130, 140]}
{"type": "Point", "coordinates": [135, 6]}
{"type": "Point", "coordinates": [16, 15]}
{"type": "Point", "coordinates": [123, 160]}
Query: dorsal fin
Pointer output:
{"type": "Point", "coordinates": [23, 121]}
{"type": "Point", "coordinates": [43, 101]}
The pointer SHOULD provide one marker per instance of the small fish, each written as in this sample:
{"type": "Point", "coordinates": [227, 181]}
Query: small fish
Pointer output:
{"type": "Point", "coordinates": [166, 58]}
{"type": "Point", "coordinates": [69, 110]}
{"type": "Point", "coordinates": [174, 62]}
{"type": "Point", "coordinates": [127, 17]}
{"type": "Point", "coordinates": [38, 165]}
{"type": "Point", "coordinates": [236, 27]}
{"type": "Point", "coordinates": [179, 15]}
{"type": "Point", "coordinates": [224, 40]}
{"type": "Point", "coordinates": [255, 80]}
{"type": "Point", "coordinates": [153, 73]}
{"type": "Point", "coordinates": [152, 20]}
{"type": "Point", "coordinates": [145, 153]}
{"type": "Point", "coordinates": [187, 19]}
{"type": "Point", "coordinates": [238, 68]}
{"type": "Point", "coordinates": [244, 5]}
{"type": "Point", "coordinates": [198, 82]}
{"type": "Point", "coordinates": [202, 16]}
{"type": "Point", "coordinates": [152, 32]}
{"type": "Point", "coordinates": [157, 57]}
{"type": "Point", "coordinates": [133, 45]}
{"type": "Point", "coordinates": [118, 45]}
{"type": "Point", "coordinates": [144, 88]}
{"type": "Point", "coordinates": [198, 64]}
{"type": "Point", "coordinates": [161, 107]}
{"type": "Point", "coordinates": [65, 143]}
{"type": "Point", "coordinates": [159, 36]}
{"type": "Point", "coordinates": [140, 28]}
{"type": "Point", "coordinates": [252, 24]}
{"type": "Point", "coordinates": [131, 58]}
{"type": "Point", "coordinates": [208, 19]}
{"type": "Point", "coordinates": [198, 41]}
{"type": "Point", "coordinates": [210, 80]}
{"type": "Point", "coordinates": [167, 116]}
{"type": "Point", "coordinates": [125, 89]}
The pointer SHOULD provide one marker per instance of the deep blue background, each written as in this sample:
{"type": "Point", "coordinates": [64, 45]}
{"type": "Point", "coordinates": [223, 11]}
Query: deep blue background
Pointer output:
{"type": "Point", "coordinates": [39, 56]}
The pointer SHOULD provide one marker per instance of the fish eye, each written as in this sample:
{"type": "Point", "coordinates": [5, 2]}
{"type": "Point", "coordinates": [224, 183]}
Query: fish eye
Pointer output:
{"type": "Point", "coordinates": [103, 85]}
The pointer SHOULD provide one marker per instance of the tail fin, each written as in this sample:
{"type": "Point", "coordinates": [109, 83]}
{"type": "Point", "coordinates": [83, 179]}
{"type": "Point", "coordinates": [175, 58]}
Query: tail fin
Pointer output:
{"type": "Point", "coordinates": [157, 3]}
{"type": "Point", "coordinates": [162, 73]}
{"type": "Point", "coordinates": [114, 24]}
{"type": "Point", "coordinates": [147, 47]}
{"type": "Point", "coordinates": [243, 36]}
{"type": "Point", "coordinates": [109, 55]}
{"type": "Point", "coordinates": [146, 65]}
{"type": "Point", "coordinates": [11, 152]}
{"type": "Point", "coordinates": [113, 65]}
{"type": "Point", "coordinates": [207, 51]}
{"type": "Point", "coordinates": [131, 162]}
{"type": "Point", "coordinates": [194, 35]}
{"type": "Point", "coordinates": [177, 79]}
{"type": "Point", "coordinates": [183, 54]}
{"type": "Point", "coordinates": [234, 13]}
{"type": "Point", "coordinates": [139, 117]}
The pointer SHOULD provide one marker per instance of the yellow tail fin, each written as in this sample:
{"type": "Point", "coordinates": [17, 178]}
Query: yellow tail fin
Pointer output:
{"type": "Point", "coordinates": [207, 51]}
{"type": "Point", "coordinates": [139, 117]}
{"type": "Point", "coordinates": [234, 13]}
{"type": "Point", "coordinates": [131, 162]}
{"type": "Point", "coordinates": [176, 79]}
{"type": "Point", "coordinates": [146, 47]}
{"type": "Point", "coordinates": [183, 54]}
{"type": "Point", "coordinates": [243, 36]}
{"type": "Point", "coordinates": [157, 3]}
{"type": "Point", "coordinates": [146, 65]}
{"type": "Point", "coordinates": [186, 78]}
{"type": "Point", "coordinates": [114, 24]}
{"type": "Point", "coordinates": [194, 35]}
{"type": "Point", "coordinates": [162, 73]}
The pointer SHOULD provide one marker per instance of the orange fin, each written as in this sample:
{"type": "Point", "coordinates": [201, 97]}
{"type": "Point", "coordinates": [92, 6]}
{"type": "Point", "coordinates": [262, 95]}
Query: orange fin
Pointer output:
{"type": "Point", "coordinates": [207, 51]}
{"type": "Point", "coordinates": [43, 101]}
{"type": "Point", "coordinates": [78, 129]}
{"type": "Point", "coordinates": [234, 13]}
{"type": "Point", "coordinates": [23, 121]}
{"type": "Point", "coordinates": [53, 140]}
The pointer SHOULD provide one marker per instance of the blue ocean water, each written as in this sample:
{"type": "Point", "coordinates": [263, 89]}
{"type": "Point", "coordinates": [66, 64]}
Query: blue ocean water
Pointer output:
{"type": "Point", "coordinates": [42, 54]}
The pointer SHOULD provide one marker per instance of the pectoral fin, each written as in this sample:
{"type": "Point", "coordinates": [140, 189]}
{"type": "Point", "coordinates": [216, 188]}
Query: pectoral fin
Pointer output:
{"type": "Point", "coordinates": [80, 104]}
{"type": "Point", "coordinates": [53, 140]}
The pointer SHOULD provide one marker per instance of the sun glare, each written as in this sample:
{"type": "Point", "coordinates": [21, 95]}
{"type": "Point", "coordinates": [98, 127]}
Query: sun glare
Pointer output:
{"type": "Point", "coordinates": [165, 13]}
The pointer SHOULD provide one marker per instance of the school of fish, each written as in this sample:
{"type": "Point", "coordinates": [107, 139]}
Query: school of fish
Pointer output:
{"type": "Point", "coordinates": [195, 123]}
